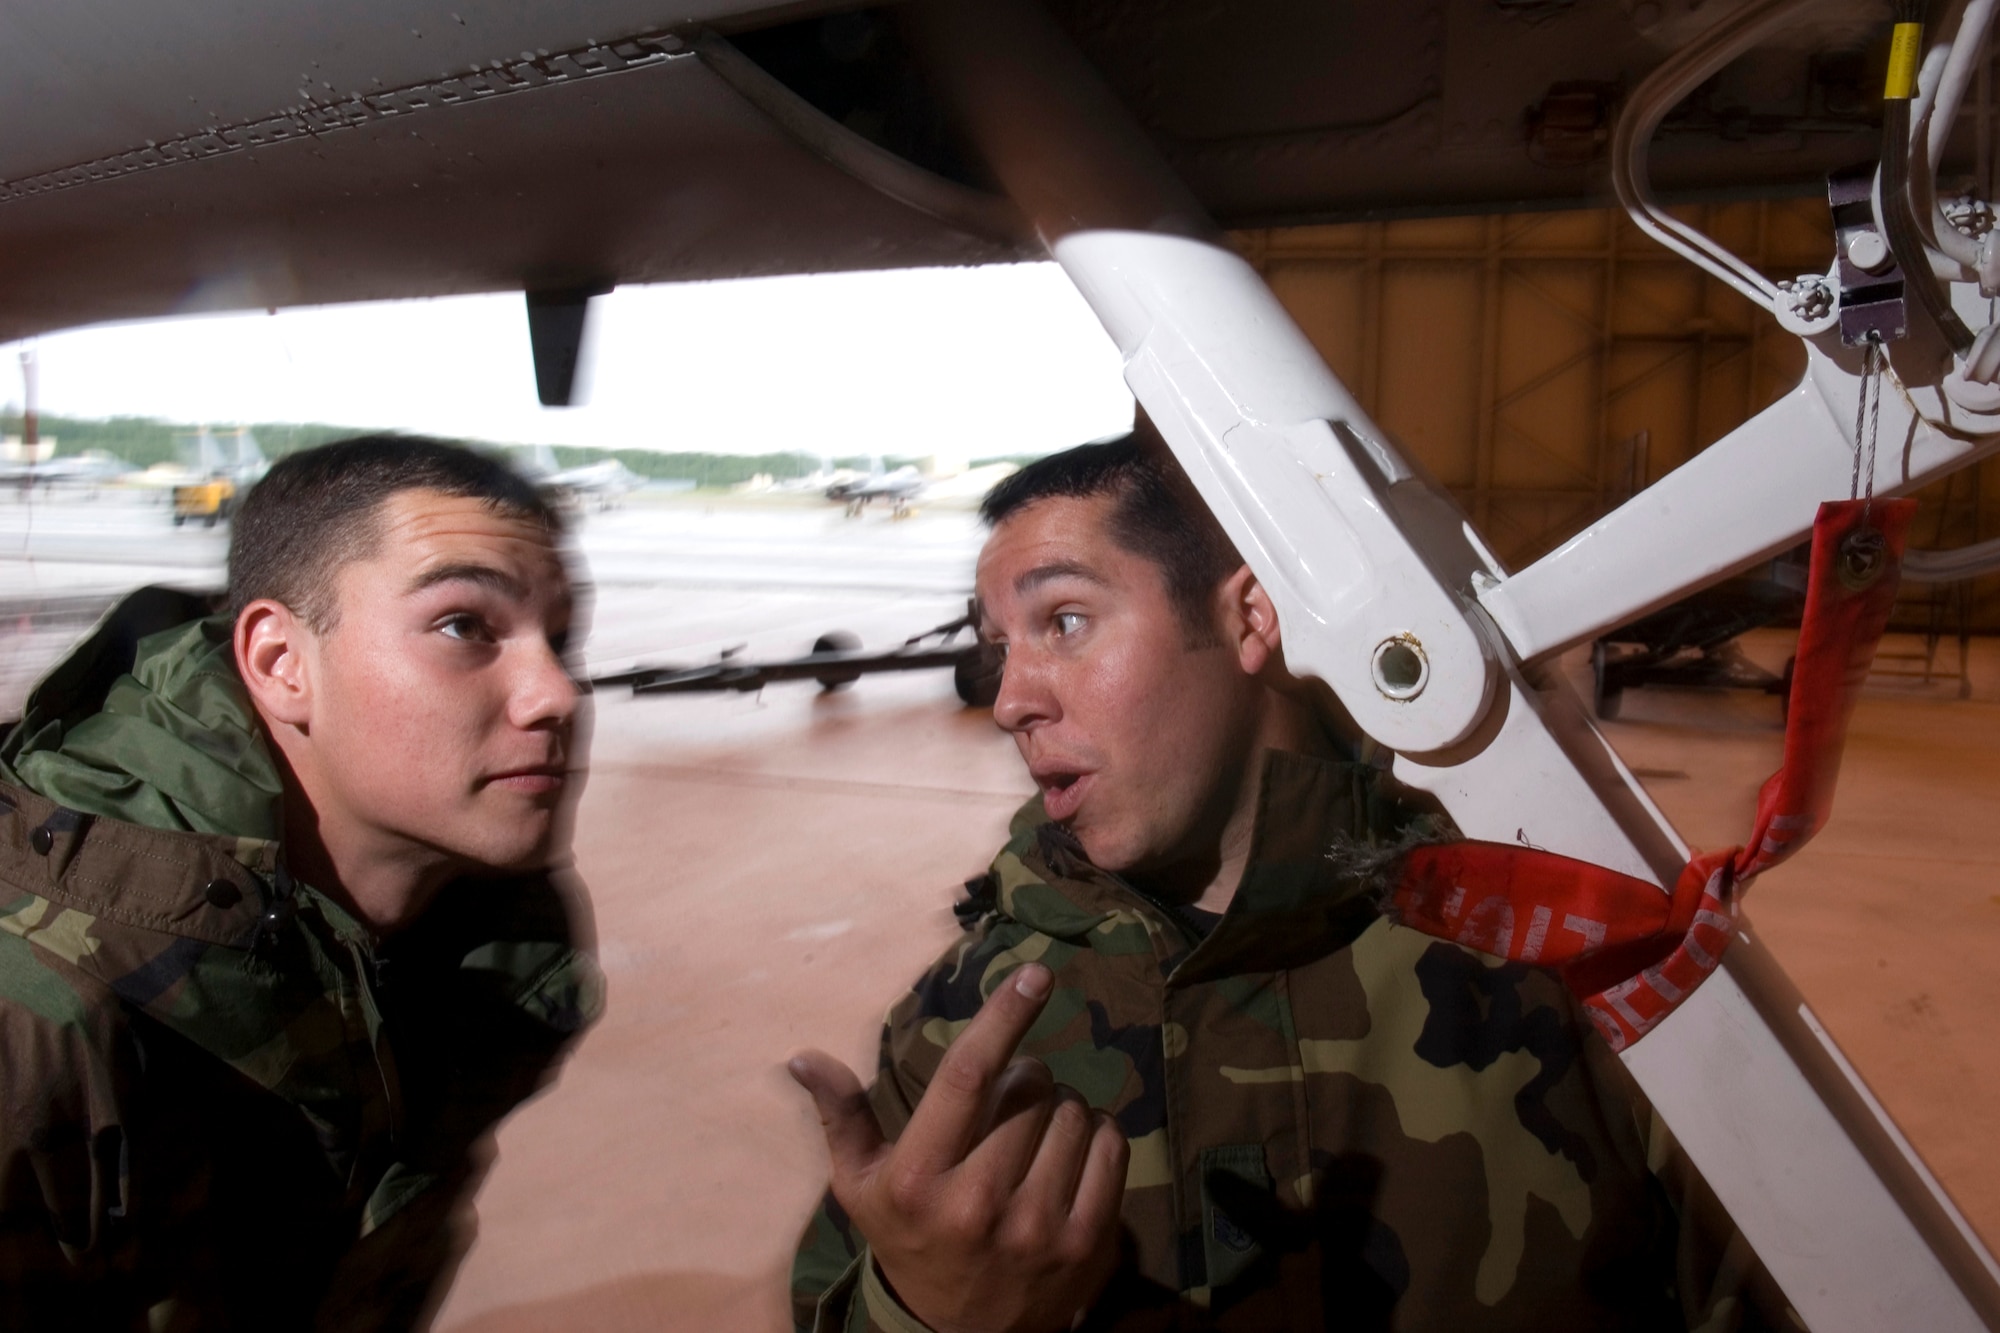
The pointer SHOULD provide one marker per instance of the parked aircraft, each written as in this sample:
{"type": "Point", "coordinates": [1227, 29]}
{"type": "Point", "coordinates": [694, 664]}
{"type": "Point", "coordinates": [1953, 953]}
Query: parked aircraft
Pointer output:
{"type": "Point", "coordinates": [601, 484]}
{"type": "Point", "coordinates": [30, 460]}
{"type": "Point", "coordinates": [395, 151]}
{"type": "Point", "coordinates": [899, 488]}
{"type": "Point", "coordinates": [92, 468]}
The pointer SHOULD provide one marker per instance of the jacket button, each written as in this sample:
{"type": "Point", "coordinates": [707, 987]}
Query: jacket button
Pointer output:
{"type": "Point", "coordinates": [41, 840]}
{"type": "Point", "coordinates": [221, 893]}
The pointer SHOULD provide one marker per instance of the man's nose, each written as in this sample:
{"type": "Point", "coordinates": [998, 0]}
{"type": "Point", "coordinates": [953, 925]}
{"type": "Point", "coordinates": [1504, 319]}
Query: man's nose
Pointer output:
{"type": "Point", "coordinates": [1026, 698]}
{"type": "Point", "coordinates": [545, 693]}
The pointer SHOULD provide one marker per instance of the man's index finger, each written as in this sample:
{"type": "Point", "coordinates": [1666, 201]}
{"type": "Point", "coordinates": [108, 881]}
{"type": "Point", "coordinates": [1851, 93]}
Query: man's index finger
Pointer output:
{"type": "Point", "coordinates": [942, 1130]}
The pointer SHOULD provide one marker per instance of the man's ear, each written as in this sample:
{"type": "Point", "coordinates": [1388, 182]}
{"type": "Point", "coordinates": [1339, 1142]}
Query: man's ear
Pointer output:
{"type": "Point", "coordinates": [271, 657]}
{"type": "Point", "coordinates": [1252, 620]}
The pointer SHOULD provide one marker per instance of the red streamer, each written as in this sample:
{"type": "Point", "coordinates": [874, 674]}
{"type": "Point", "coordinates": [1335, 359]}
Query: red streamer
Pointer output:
{"type": "Point", "coordinates": [1630, 952]}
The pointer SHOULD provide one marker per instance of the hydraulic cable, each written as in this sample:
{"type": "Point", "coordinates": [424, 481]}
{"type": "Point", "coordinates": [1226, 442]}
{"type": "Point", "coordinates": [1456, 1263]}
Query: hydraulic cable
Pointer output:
{"type": "Point", "coordinates": [1934, 112]}
{"type": "Point", "coordinates": [1899, 226]}
{"type": "Point", "coordinates": [1964, 562]}
{"type": "Point", "coordinates": [1931, 123]}
{"type": "Point", "coordinates": [1677, 76]}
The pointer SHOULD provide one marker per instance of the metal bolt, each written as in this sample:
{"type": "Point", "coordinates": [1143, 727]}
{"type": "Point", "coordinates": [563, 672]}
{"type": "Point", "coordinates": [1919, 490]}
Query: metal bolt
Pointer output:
{"type": "Point", "coordinates": [1867, 250]}
{"type": "Point", "coordinates": [1809, 297]}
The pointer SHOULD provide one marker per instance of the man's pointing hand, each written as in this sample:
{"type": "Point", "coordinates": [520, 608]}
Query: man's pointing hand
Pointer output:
{"type": "Point", "coordinates": [997, 1209]}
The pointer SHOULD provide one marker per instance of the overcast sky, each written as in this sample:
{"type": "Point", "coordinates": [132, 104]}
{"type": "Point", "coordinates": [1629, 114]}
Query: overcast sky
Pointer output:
{"type": "Point", "coordinates": [993, 360]}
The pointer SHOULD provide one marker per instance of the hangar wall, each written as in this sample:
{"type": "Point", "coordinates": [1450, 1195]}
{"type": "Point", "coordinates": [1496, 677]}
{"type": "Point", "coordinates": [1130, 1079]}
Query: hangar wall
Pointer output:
{"type": "Point", "coordinates": [1543, 366]}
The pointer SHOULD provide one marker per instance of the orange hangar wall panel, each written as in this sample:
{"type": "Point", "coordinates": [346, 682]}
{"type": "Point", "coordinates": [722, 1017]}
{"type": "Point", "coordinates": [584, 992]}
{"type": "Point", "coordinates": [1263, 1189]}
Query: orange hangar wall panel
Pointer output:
{"type": "Point", "coordinates": [1546, 366]}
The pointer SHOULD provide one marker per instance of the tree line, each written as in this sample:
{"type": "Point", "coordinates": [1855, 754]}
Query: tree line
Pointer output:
{"type": "Point", "coordinates": [145, 441]}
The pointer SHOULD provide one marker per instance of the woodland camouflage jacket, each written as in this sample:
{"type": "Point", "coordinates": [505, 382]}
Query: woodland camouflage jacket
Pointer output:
{"type": "Point", "coordinates": [1334, 1122]}
{"type": "Point", "coordinates": [222, 1104]}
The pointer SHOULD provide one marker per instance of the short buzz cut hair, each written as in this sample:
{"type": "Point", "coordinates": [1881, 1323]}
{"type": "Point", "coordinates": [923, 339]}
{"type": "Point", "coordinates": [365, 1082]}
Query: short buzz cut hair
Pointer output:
{"type": "Point", "coordinates": [320, 509]}
{"type": "Point", "coordinates": [1157, 515]}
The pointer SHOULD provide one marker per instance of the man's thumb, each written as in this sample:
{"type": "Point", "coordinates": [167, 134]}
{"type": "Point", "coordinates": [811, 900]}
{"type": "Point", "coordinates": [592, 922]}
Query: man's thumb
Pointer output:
{"type": "Point", "coordinates": [853, 1135]}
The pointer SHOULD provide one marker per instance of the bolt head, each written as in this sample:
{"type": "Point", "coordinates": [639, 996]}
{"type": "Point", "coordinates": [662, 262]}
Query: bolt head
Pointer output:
{"type": "Point", "coordinates": [1867, 250]}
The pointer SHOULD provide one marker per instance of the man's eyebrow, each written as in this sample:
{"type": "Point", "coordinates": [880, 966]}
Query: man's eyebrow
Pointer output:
{"type": "Point", "coordinates": [468, 572]}
{"type": "Point", "coordinates": [1058, 569]}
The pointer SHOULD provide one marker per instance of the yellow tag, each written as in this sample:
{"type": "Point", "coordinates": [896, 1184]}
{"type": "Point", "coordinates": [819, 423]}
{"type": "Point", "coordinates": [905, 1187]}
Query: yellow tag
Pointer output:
{"type": "Point", "coordinates": [1905, 49]}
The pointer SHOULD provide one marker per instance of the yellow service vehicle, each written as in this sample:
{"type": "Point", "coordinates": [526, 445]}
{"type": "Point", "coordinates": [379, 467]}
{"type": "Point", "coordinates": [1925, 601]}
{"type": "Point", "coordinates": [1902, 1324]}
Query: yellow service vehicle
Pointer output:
{"type": "Point", "coordinates": [206, 500]}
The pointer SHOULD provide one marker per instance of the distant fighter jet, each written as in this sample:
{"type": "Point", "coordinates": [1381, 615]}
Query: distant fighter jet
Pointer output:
{"type": "Point", "coordinates": [898, 487]}
{"type": "Point", "coordinates": [30, 461]}
{"type": "Point", "coordinates": [88, 469]}
{"type": "Point", "coordinates": [603, 483]}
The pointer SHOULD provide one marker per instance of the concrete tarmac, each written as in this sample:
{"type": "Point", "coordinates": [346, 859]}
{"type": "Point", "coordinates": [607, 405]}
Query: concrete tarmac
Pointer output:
{"type": "Point", "coordinates": [770, 871]}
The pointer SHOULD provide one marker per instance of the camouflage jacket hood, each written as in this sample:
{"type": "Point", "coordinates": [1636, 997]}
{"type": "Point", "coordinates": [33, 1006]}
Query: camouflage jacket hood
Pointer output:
{"type": "Point", "coordinates": [158, 968]}
{"type": "Point", "coordinates": [1333, 1121]}
{"type": "Point", "coordinates": [146, 721]}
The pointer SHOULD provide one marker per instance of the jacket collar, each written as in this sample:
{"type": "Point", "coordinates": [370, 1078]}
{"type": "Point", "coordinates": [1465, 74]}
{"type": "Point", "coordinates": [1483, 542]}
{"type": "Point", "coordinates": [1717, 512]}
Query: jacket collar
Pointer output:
{"type": "Point", "coordinates": [1292, 907]}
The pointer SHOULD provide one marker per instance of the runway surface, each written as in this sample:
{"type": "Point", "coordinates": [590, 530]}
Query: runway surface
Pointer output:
{"type": "Point", "coordinates": [769, 871]}
{"type": "Point", "coordinates": [113, 539]}
{"type": "Point", "coordinates": [674, 577]}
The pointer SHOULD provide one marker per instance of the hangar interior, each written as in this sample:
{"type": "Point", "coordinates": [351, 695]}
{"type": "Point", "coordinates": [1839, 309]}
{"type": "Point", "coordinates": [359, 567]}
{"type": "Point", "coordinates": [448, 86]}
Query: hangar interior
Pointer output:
{"type": "Point", "coordinates": [1545, 367]}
